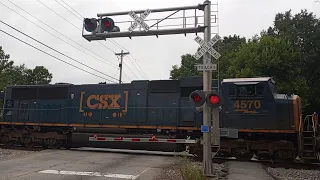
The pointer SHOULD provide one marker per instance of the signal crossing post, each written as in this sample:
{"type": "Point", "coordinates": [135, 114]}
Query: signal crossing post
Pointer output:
{"type": "Point", "coordinates": [104, 27]}
{"type": "Point", "coordinates": [207, 79]}
{"type": "Point", "coordinates": [120, 64]}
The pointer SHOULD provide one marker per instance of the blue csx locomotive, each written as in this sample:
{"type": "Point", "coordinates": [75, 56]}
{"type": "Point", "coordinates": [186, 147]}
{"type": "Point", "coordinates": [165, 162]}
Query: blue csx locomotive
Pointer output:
{"type": "Point", "coordinates": [254, 118]}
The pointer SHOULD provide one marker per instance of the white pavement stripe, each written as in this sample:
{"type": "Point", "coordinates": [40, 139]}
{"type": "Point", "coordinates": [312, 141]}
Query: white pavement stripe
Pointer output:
{"type": "Point", "coordinates": [120, 176]}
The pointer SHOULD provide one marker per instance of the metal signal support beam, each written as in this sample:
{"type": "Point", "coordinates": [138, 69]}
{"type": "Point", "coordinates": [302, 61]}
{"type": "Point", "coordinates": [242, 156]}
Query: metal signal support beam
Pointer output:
{"type": "Point", "coordinates": [120, 64]}
{"type": "Point", "coordinates": [98, 34]}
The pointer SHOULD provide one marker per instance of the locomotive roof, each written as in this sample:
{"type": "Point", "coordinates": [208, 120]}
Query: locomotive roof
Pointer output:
{"type": "Point", "coordinates": [259, 79]}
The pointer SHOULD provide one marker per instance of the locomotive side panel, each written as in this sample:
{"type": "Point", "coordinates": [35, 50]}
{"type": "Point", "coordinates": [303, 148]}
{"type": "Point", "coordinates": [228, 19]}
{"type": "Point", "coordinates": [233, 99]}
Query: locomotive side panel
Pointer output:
{"type": "Point", "coordinates": [116, 104]}
{"type": "Point", "coordinates": [163, 103]}
{"type": "Point", "coordinates": [36, 104]}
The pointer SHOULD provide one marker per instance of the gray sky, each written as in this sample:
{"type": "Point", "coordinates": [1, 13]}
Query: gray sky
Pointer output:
{"type": "Point", "coordinates": [154, 56]}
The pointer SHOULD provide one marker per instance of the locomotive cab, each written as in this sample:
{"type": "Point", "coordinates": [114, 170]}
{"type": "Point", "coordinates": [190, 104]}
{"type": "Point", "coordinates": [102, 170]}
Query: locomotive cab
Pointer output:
{"type": "Point", "coordinates": [253, 105]}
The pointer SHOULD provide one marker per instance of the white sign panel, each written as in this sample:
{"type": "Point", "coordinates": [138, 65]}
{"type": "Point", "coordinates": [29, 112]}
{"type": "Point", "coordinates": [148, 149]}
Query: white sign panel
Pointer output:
{"type": "Point", "coordinates": [203, 67]}
{"type": "Point", "coordinates": [139, 20]}
{"type": "Point", "coordinates": [207, 47]}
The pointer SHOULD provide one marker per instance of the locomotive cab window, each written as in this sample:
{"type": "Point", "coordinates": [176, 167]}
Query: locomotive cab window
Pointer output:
{"type": "Point", "coordinates": [246, 89]}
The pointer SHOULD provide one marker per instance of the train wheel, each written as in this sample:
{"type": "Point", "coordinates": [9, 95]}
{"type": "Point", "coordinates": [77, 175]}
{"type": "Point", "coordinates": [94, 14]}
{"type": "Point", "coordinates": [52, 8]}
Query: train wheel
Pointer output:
{"type": "Point", "coordinates": [28, 142]}
{"type": "Point", "coordinates": [52, 143]}
{"type": "Point", "coordinates": [7, 142]}
{"type": "Point", "coordinates": [318, 156]}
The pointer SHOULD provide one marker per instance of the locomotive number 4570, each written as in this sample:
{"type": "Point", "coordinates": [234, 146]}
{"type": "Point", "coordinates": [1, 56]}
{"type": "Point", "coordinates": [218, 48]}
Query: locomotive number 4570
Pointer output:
{"type": "Point", "coordinates": [247, 104]}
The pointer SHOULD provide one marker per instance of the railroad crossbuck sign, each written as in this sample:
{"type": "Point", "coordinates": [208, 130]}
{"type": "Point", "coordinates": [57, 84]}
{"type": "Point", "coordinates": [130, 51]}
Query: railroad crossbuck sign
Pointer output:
{"type": "Point", "coordinates": [139, 20]}
{"type": "Point", "coordinates": [207, 47]}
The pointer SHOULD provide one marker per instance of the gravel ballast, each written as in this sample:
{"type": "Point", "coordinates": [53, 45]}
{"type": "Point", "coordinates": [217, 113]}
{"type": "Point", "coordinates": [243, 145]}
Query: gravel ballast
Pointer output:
{"type": "Point", "coordinates": [294, 174]}
{"type": "Point", "coordinates": [10, 153]}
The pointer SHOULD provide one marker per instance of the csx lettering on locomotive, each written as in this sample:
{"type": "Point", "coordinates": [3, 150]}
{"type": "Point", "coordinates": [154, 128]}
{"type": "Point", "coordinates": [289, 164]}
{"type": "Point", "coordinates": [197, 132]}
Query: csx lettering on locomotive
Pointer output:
{"type": "Point", "coordinates": [101, 101]}
{"type": "Point", "coordinates": [104, 101]}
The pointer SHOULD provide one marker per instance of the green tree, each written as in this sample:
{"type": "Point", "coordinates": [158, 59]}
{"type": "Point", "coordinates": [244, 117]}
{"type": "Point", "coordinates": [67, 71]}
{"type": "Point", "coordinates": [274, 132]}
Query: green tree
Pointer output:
{"type": "Point", "coordinates": [270, 56]}
{"type": "Point", "coordinates": [227, 46]}
{"type": "Point", "coordinates": [38, 75]}
{"type": "Point", "coordinates": [11, 74]}
{"type": "Point", "coordinates": [303, 31]}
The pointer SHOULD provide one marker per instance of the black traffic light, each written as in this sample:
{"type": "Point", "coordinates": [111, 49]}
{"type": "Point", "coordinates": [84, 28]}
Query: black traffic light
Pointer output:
{"type": "Point", "coordinates": [90, 25]}
{"type": "Point", "coordinates": [213, 99]}
{"type": "Point", "coordinates": [198, 98]}
{"type": "Point", "coordinates": [104, 25]}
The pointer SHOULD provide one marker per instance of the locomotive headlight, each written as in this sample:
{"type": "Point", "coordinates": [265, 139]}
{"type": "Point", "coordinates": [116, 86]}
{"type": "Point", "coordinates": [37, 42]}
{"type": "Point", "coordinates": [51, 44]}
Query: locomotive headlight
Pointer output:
{"type": "Point", "coordinates": [72, 95]}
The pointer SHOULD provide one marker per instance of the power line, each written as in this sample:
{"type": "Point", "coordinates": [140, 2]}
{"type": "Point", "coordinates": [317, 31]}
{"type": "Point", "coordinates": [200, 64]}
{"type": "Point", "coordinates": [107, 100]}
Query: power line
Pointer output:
{"type": "Point", "coordinates": [131, 71]}
{"type": "Point", "coordinates": [72, 8]}
{"type": "Point", "coordinates": [142, 72]}
{"type": "Point", "coordinates": [70, 23]}
{"type": "Point", "coordinates": [56, 50]}
{"type": "Point", "coordinates": [116, 43]}
{"type": "Point", "coordinates": [57, 32]}
{"type": "Point", "coordinates": [53, 56]}
{"type": "Point", "coordinates": [69, 10]}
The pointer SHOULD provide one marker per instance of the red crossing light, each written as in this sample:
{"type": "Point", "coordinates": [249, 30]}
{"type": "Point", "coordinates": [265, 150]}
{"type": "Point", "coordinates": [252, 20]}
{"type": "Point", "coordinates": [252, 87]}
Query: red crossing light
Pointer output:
{"type": "Point", "coordinates": [107, 24]}
{"type": "Point", "coordinates": [197, 97]}
{"type": "Point", "coordinates": [213, 99]}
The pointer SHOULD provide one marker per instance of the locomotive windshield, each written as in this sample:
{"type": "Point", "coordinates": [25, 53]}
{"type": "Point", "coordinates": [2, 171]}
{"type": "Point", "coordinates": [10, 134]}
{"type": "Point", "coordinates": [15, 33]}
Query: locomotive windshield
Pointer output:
{"type": "Point", "coordinates": [246, 89]}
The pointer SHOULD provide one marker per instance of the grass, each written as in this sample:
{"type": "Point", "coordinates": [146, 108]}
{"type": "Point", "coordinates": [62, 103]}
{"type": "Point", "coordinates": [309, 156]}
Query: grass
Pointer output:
{"type": "Point", "coordinates": [191, 170]}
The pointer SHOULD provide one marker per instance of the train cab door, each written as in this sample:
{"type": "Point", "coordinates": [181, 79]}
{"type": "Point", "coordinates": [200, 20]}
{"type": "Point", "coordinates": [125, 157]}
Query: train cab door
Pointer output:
{"type": "Point", "coordinates": [23, 110]}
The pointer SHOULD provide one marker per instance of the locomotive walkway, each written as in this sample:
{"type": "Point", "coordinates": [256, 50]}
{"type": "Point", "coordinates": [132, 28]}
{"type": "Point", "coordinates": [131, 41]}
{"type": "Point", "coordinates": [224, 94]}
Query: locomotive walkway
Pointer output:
{"type": "Point", "coordinates": [247, 171]}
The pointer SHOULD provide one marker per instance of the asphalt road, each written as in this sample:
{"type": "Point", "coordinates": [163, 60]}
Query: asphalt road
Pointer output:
{"type": "Point", "coordinates": [80, 165]}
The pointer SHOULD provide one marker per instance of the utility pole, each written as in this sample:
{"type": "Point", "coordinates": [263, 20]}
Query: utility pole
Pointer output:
{"type": "Point", "coordinates": [120, 64]}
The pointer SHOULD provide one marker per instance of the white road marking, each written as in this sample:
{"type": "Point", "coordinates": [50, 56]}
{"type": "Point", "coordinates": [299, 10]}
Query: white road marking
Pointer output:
{"type": "Point", "coordinates": [120, 176]}
{"type": "Point", "coordinates": [140, 173]}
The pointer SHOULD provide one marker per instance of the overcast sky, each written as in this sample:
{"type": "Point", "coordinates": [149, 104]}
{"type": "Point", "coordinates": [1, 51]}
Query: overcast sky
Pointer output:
{"type": "Point", "coordinates": [155, 56]}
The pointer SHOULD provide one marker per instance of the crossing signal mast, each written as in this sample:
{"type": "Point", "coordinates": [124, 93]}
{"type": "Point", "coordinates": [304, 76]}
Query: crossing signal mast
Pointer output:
{"type": "Point", "coordinates": [104, 27]}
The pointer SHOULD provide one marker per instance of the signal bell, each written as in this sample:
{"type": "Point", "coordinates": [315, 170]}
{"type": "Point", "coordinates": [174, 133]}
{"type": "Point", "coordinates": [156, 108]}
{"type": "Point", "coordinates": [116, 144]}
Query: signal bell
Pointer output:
{"type": "Point", "coordinates": [197, 97]}
{"type": "Point", "coordinates": [213, 99]}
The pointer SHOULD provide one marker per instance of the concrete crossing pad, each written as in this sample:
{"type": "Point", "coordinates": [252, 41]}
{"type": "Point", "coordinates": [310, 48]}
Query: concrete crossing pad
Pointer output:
{"type": "Point", "coordinates": [247, 171]}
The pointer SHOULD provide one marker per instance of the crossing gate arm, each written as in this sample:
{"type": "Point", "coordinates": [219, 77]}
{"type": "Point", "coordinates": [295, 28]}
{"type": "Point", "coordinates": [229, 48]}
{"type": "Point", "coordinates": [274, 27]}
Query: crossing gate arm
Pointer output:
{"type": "Point", "coordinates": [144, 140]}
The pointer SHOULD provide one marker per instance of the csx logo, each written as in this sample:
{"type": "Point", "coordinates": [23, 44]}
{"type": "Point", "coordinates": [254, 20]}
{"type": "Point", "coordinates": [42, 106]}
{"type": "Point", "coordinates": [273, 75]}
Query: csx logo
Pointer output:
{"type": "Point", "coordinates": [102, 101]}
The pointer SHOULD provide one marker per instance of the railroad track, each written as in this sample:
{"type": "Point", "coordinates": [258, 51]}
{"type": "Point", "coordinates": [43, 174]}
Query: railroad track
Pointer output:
{"type": "Point", "coordinates": [23, 148]}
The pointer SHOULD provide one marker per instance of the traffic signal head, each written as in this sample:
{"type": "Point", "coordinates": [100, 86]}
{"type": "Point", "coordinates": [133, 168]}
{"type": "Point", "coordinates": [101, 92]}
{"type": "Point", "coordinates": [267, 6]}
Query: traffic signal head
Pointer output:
{"type": "Point", "coordinates": [107, 24]}
{"type": "Point", "coordinates": [213, 99]}
{"type": "Point", "coordinates": [103, 25]}
{"type": "Point", "coordinates": [90, 25]}
{"type": "Point", "coordinates": [197, 97]}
